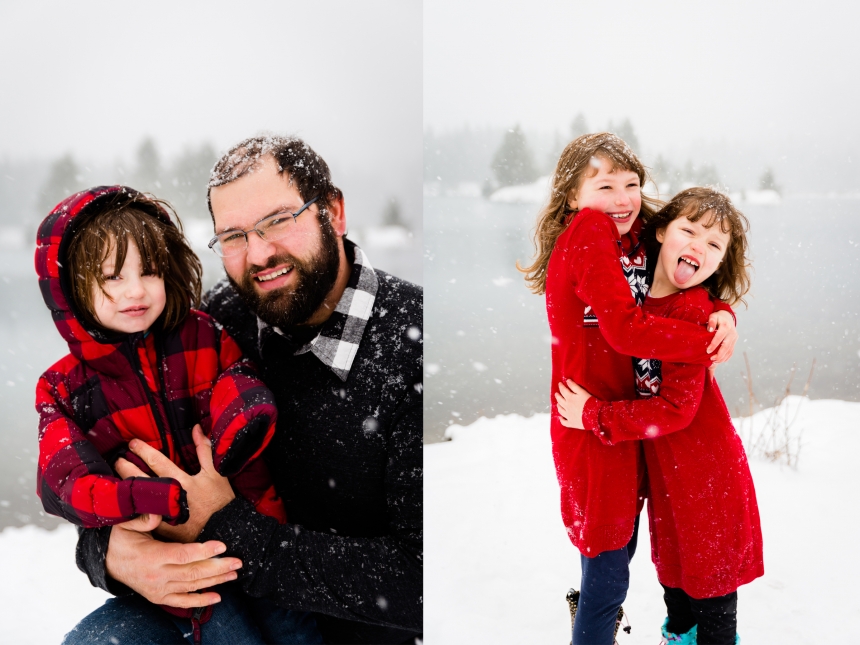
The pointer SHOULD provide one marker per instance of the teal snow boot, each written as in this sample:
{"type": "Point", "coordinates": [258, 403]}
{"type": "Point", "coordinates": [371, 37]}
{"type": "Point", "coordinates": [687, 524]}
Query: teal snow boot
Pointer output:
{"type": "Point", "coordinates": [687, 638]}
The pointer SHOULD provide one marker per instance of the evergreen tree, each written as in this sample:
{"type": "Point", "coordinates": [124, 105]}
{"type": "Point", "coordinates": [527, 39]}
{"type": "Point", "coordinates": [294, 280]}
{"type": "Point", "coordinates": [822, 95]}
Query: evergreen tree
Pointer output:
{"type": "Point", "coordinates": [461, 155]}
{"type": "Point", "coordinates": [147, 173]}
{"type": "Point", "coordinates": [662, 173]}
{"type": "Point", "coordinates": [188, 178]}
{"type": "Point", "coordinates": [707, 175]}
{"type": "Point", "coordinates": [626, 132]}
{"type": "Point", "coordinates": [513, 162]}
{"type": "Point", "coordinates": [64, 179]}
{"type": "Point", "coordinates": [488, 187]}
{"type": "Point", "coordinates": [688, 173]}
{"type": "Point", "coordinates": [392, 215]}
{"type": "Point", "coordinates": [768, 182]}
{"type": "Point", "coordinates": [552, 158]}
{"type": "Point", "coordinates": [578, 126]}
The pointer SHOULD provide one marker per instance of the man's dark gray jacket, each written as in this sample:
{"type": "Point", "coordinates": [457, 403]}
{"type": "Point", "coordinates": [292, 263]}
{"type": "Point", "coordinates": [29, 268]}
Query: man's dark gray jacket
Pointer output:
{"type": "Point", "coordinates": [347, 461]}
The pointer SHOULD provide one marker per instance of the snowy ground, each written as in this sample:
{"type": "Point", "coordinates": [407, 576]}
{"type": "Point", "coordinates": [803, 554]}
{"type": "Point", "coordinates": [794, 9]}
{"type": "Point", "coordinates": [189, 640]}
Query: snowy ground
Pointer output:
{"type": "Point", "coordinates": [498, 562]}
{"type": "Point", "coordinates": [43, 594]}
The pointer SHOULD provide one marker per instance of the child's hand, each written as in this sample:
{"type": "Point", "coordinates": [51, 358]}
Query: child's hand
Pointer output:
{"type": "Point", "coordinates": [725, 338]}
{"type": "Point", "coordinates": [570, 400]}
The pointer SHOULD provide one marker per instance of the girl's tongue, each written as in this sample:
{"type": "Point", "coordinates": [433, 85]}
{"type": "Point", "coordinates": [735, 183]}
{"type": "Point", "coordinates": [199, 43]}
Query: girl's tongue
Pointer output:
{"type": "Point", "coordinates": [684, 271]}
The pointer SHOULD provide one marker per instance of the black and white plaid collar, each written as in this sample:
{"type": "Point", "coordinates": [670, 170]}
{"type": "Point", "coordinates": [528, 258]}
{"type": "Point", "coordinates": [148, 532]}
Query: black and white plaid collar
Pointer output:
{"type": "Point", "coordinates": [337, 343]}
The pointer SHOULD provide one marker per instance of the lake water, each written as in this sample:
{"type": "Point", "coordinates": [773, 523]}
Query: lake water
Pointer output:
{"type": "Point", "coordinates": [487, 348]}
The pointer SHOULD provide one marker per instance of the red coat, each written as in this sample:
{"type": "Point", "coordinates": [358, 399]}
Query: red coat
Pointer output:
{"type": "Point", "coordinates": [596, 327]}
{"type": "Point", "coordinates": [705, 528]}
{"type": "Point", "coordinates": [113, 387]}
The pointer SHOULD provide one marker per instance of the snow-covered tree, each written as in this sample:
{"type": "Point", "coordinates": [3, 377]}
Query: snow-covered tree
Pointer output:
{"type": "Point", "coordinates": [768, 182]}
{"type": "Point", "coordinates": [552, 157]}
{"type": "Point", "coordinates": [661, 170]}
{"type": "Point", "coordinates": [64, 178]}
{"type": "Point", "coordinates": [578, 126]}
{"type": "Point", "coordinates": [707, 175]}
{"type": "Point", "coordinates": [185, 184]}
{"type": "Point", "coordinates": [392, 215]}
{"type": "Point", "coordinates": [147, 172]}
{"type": "Point", "coordinates": [626, 132]}
{"type": "Point", "coordinates": [513, 162]}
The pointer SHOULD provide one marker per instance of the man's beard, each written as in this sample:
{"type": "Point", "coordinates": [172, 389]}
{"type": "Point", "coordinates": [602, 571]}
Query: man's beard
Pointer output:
{"type": "Point", "coordinates": [294, 305]}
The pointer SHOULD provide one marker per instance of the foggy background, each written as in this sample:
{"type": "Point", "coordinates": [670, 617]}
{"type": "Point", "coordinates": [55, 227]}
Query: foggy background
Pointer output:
{"type": "Point", "coordinates": [758, 98]}
{"type": "Point", "coordinates": [150, 96]}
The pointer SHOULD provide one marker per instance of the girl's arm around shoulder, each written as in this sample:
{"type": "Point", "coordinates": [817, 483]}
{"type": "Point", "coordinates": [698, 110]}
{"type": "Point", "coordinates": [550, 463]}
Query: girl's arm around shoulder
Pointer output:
{"type": "Point", "coordinates": [593, 267]}
{"type": "Point", "coordinates": [677, 402]}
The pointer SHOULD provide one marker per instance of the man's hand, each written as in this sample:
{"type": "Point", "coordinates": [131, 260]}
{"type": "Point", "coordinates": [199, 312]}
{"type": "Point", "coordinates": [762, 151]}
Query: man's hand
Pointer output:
{"type": "Point", "coordinates": [166, 573]}
{"type": "Point", "coordinates": [206, 492]}
{"type": "Point", "coordinates": [570, 401]}
{"type": "Point", "coordinates": [725, 338]}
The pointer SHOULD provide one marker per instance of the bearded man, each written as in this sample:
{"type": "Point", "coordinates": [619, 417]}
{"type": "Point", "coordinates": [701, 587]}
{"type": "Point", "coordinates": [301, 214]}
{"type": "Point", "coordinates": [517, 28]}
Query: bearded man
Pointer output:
{"type": "Point", "coordinates": [340, 345]}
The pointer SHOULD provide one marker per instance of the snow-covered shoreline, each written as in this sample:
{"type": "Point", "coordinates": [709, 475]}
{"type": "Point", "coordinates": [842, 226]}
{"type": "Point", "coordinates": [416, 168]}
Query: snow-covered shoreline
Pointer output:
{"type": "Point", "coordinates": [498, 561]}
{"type": "Point", "coordinates": [43, 594]}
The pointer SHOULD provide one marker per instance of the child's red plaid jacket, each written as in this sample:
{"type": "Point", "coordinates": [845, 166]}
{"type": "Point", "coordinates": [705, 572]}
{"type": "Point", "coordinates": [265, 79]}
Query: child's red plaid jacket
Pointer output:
{"type": "Point", "coordinates": [113, 387]}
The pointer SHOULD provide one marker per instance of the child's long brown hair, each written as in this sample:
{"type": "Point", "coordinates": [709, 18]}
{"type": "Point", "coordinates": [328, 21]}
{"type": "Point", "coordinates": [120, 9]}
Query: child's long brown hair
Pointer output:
{"type": "Point", "coordinates": [572, 167]}
{"type": "Point", "coordinates": [731, 281]}
{"type": "Point", "coordinates": [109, 229]}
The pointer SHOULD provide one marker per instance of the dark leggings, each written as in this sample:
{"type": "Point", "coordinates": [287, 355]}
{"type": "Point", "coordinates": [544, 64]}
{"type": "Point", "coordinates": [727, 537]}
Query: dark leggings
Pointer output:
{"type": "Point", "coordinates": [716, 617]}
{"type": "Point", "coordinates": [605, 579]}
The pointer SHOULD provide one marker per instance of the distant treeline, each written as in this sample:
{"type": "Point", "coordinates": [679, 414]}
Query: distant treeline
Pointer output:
{"type": "Point", "coordinates": [29, 190]}
{"type": "Point", "coordinates": [495, 157]}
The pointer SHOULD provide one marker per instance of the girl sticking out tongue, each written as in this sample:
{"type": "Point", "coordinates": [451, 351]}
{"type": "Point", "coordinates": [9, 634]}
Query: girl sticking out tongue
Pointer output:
{"type": "Point", "coordinates": [694, 235]}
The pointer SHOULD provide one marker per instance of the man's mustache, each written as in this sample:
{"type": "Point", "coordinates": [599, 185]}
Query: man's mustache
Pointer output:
{"type": "Point", "coordinates": [273, 261]}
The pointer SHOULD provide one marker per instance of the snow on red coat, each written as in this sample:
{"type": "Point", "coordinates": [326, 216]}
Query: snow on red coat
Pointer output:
{"type": "Point", "coordinates": [705, 528]}
{"type": "Point", "coordinates": [113, 387]}
{"type": "Point", "coordinates": [596, 327]}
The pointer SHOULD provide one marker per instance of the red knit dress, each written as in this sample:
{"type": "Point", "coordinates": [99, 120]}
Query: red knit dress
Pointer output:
{"type": "Point", "coordinates": [596, 327]}
{"type": "Point", "coordinates": [705, 528]}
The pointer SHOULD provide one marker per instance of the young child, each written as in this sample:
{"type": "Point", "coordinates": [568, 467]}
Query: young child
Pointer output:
{"type": "Point", "coordinates": [120, 281]}
{"type": "Point", "coordinates": [593, 270]}
{"type": "Point", "coordinates": [706, 535]}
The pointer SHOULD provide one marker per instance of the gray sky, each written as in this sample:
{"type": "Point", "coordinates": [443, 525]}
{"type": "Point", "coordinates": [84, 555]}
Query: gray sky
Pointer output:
{"type": "Point", "coordinates": [94, 77]}
{"type": "Point", "coordinates": [681, 71]}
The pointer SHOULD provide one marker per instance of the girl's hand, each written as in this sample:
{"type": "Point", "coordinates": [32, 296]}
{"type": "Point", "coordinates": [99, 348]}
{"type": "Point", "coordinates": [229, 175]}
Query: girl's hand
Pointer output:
{"type": "Point", "coordinates": [725, 338]}
{"type": "Point", "coordinates": [570, 401]}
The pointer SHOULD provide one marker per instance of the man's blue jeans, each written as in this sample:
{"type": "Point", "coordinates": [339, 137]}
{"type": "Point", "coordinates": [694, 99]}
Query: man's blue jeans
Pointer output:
{"type": "Point", "coordinates": [132, 620]}
{"type": "Point", "coordinates": [605, 579]}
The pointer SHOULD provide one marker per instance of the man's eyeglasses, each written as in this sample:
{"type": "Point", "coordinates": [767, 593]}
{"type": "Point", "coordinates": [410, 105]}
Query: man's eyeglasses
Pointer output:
{"type": "Point", "coordinates": [271, 228]}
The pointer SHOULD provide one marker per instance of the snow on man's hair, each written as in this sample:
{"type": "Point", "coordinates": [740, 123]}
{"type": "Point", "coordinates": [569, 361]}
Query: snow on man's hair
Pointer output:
{"type": "Point", "coordinates": [307, 171]}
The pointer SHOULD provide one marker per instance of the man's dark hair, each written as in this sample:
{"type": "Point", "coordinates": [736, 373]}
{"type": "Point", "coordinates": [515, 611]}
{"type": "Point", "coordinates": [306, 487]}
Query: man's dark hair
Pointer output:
{"type": "Point", "coordinates": [308, 172]}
